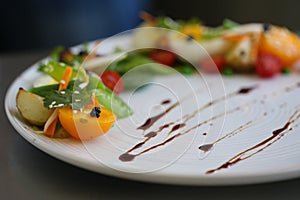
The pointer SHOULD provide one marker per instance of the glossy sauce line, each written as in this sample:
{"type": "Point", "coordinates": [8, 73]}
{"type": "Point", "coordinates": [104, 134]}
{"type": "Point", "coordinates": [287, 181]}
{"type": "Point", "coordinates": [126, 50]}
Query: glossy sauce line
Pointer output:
{"type": "Point", "coordinates": [243, 90]}
{"type": "Point", "coordinates": [152, 134]}
{"type": "Point", "coordinates": [176, 127]}
{"type": "Point", "coordinates": [276, 136]}
{"type": "Point", "coordinates": [151, 120]}
{"type": "Point", "coordinates": [167, 101]}
{"type": "Point", "coordinates": [207, 147]}
{"type": "Point", "coordinates": [126, 157]}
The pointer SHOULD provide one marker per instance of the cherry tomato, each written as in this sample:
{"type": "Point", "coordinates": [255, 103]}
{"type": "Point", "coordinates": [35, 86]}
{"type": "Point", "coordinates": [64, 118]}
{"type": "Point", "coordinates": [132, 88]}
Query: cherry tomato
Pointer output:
{"type": "Point", "coordinates": [112, 80]}
{"type": "Point", "coordinates": [268, 65]}
{"type": "Point", "coordinates": [214, 65]}
{"type": "Point", "coordinates": [163, 57]}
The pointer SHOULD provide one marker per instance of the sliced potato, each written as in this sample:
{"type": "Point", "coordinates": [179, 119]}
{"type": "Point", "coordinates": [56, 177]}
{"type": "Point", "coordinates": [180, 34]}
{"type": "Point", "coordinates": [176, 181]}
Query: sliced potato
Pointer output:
{"type": "Point", "coordinates": [31, 107]}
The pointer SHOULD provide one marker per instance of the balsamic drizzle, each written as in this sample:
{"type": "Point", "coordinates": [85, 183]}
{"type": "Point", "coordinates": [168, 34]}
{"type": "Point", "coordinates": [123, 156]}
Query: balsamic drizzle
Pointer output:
{"type": "Point", "coordinates": [276, 136]}
{"type": "Point", "coordinates": [151, 120]}
{"type": "Point", "coordinates": [243, 90]}
{"type": "Point", "coordinates": [167, 101]}
{"type": "Point", "coordinates": [129, 157]}
{"type": "Point", "coordinates": [208, 147]}
{"type": "Point", "coordinates": [125, 157]}
{"type": "Point", "coordinates": [176, 127]}
{"type": "Point", "coordinates": [153, 134]}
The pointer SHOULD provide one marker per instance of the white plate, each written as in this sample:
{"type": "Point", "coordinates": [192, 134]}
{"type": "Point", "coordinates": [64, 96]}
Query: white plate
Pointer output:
{"type": "Point", "coordinates": [254, 116]}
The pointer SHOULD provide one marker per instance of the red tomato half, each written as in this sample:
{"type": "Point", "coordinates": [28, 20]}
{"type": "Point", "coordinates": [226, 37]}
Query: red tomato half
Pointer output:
{"type": "Point", "coordinates": [112, 80]}
{"type": "Point", "coordinates": [213, 65]}
{"type": "Point", "coordinates": [268, 65]}
{"type": "Point", "coordinates": [163, 57]}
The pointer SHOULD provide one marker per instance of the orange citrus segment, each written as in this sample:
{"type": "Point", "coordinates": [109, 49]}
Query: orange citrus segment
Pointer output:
{"type": "Point", "coordinates": [82, 126]}
{"type": "Point", "coordinates": [281, 43]}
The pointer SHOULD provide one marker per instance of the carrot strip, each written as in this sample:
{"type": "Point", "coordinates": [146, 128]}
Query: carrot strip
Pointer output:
{"type": "Point", "coordinates": [148, 17]}
{"type": "Point", "coordinates": [236, 38]}
{"type": "Point", "coordinates": [49, 129]}
{"type": "Point", "coordinates": [50, 125]}
{"type": "Point", "coordinates": [65, 78]}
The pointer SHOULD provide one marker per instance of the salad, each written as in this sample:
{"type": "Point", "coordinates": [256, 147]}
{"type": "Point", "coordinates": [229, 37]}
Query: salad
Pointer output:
{"type": "Point", "coordinates": [264, 49]}
{"type": "Point", "coordinates": [69, 100]}
{"type": "Point", "coordinates": [77, 95]}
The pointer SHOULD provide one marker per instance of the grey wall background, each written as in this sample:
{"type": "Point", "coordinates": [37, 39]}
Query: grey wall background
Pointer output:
{"type": "Point", "coordinates": [43, 24]}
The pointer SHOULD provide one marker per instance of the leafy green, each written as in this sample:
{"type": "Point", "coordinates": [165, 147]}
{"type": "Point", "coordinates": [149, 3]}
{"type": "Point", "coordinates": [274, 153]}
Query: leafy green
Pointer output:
{"type": "Point", "coordinates": [61, 54]}
{"type": "Point", "coordinates": [211, 33]}
{"type": "Point", "coordinates": [139, 60]}
{"type": "Point", "coordinates": [185, 69]}
{"type": "Point", "coordinates": [86, 47]}
{"type": "Point", "coordinates": [167, 22]}
{"type": "Point", "coordinates": [130, 62]}
{"type": "Point", "coordinates": [61, 99]}
{"type": "Point", "coordinates": [42, 90]}
{"type": "Point", "coordinates": [55, 55]}
{"type": "Point", "coordinates": [118, 50]}
{"type": "Point", "coordinates": [106, 97]}
{"type": "Point", "coordinates": [191, 21]}
{"type": "Point", "coordinates": [138, 69]}
{"type": "Point", "coordinates": [229, 24]}
{"type": "Point", "coordinates": [56, 99]}
{"type": "Point", "coordinates": [55, 70]}
{"type": "Point", "coordinates": [113, 102]}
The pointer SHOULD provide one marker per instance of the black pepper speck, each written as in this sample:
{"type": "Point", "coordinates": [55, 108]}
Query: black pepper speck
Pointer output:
{"type": "Point", "coordinates": [190, 38]}
{"type": "Point", "coordinates": [95, 112]}
{"type": "Point", "coordinates": [267, 27]}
